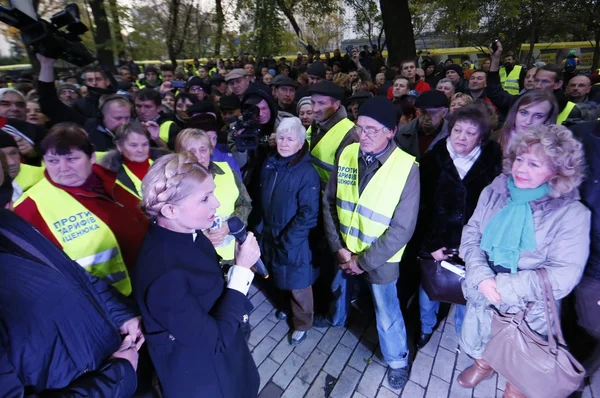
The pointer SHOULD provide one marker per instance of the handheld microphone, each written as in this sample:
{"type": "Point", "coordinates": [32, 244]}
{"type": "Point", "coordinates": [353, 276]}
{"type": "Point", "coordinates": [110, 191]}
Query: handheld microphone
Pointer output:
{"type": "Point", "coordinates": [238, 230]}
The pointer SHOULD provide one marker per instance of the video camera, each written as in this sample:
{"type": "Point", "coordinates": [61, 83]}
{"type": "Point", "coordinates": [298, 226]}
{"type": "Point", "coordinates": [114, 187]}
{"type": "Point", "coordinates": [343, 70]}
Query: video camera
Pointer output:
{"type": "Point", "coordinates": [249, 138]}
{"type": "Point", "coordinates": [58, 39]}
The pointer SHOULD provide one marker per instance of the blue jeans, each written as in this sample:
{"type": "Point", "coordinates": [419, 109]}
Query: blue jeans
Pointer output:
{"type": "Point", "coordinates": [390, 323]}
{"type": "Point", "coordinates": [429, 310]}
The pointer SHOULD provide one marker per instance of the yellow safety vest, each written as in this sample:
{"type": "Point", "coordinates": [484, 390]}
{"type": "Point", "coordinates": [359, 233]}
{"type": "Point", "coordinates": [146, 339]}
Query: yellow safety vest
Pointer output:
{"type": "Point", "coordinates": [365, 217]}
{"type": "Point", "coordinates": [140, 85]}
{"type": "Point", "coordinates": [227, 192]}
{"type": "Point", "coordinates": [510, 83]}
{"type": "Point", "coordinates": [565, 112]}
{"type": "Point", "coordinates": [84, 237]}
{"type": "Point", "coordinates": [164, 130]}
{"type": "Point", "coordinates": [100, 155]}
{"type": "Point", "coordinates": [28, 176]}
{"type": "Point", "coordinates": [322, 156]}
{"type": "Point", "coordinates": [136, 190]}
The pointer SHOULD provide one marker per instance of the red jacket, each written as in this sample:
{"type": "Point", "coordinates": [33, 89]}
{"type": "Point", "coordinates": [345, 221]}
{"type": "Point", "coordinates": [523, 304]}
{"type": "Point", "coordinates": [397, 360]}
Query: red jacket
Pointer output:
{"type": "Point", "coordinates": [420, 87]}
{"type": "Point", "coordinates": [121, 212]}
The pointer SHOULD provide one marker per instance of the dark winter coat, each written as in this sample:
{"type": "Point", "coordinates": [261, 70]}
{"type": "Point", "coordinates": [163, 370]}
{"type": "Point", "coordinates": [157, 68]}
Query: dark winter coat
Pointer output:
{"type": "Point", "coordinates": [589, 135]}
{"type": "Point", "coordinates": [192, 321]}
{"type": "Point", "coordinates": [447, 202]}
{"type": "Point", "coordinates": [59, 325]}
{"type": "Point", "coordinates": [289, 203]}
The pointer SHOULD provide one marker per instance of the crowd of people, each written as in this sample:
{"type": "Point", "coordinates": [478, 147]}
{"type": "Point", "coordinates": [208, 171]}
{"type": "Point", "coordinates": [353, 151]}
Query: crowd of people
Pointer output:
{"type": "Point", "coordinates": [123, 268]}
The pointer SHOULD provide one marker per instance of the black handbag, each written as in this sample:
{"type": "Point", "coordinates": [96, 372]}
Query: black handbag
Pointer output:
{"type": "Point", "coordinates": [439, 283]}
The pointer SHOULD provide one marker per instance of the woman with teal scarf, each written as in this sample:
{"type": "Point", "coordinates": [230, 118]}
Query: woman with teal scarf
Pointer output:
{"type": "Point", "coordinates": [529, 217]}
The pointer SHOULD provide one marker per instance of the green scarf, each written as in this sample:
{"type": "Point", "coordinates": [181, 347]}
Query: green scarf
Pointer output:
{"type": "Point", "coordinates": [511, 230]}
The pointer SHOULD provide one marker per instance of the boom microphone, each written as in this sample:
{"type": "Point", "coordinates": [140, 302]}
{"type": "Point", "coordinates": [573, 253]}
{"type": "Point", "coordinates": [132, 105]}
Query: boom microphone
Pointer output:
{"type": "Point", "coordinates": [238, 230]}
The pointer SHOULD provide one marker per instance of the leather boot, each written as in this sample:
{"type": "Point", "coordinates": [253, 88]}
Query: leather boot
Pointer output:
{"type": "Point", "coordinates": [475, 374]}
{"type": "Point", "coordinates": [511, 391]}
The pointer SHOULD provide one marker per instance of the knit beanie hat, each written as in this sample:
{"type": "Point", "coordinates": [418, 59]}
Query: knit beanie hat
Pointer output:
{"type": "Point", "coordinates": [380, 109]}
{"type": "Point", "coordinates": [303, 101]}
{"type": "Point", "coordinates": [455, 67]}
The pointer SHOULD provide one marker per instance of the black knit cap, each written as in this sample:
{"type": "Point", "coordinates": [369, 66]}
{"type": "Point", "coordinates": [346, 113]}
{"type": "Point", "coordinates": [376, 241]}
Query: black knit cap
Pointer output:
{"type": "Point", "coordinates": [455, 67]}
{"type": "Point", "coordinates": [328, 89]}
{"type": "Point", "coordinates": [7, 140]}
{"type": "Point", "coordinates": [196, 81]}
{"type": "Point", "coordinates": [380, 109]}
{"type": "Point", "coordinates": [316, 69]}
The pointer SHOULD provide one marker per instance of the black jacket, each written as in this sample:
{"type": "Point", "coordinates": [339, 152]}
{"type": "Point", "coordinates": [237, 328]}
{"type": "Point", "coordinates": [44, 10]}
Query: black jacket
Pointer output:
{"type": "Point", "coordinates": [289, 206]}
{"type": "Point", "coordinates": [192, 322]}
{"type": "Point", "coordinates": [59, 325]}
{"type": "Point", "coordinates": [59, 112]}
{"type": "Point", "coordinates": [589, 134]}
{"type": "Point", "coordinates": [447, 202]}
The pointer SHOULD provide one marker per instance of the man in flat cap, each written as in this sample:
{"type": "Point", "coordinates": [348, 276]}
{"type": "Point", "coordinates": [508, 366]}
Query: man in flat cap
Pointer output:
{"type": "Point", "coordinates": [284, 90]}
{"type": "Point", "coordinates": [370, 211]}
{"type": "Point", "coordinates": [238, 82]}
{"type": "Point", "coordinates": [430, 126]}
{"type": "Point", "coordinates": [329, 128]}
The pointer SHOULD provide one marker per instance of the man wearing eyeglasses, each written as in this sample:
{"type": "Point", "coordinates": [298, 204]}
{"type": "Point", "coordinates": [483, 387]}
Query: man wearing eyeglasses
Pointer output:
{"type": "Point", "coordinates": [370, 211]}
{"type": "Point", "coordinates": [430, 126]}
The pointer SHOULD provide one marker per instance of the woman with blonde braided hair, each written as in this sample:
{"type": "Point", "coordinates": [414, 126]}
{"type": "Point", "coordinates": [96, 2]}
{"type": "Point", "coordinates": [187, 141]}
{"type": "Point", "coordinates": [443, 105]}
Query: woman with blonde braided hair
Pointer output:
{"type": "Point", "coordinates": [192, 316]}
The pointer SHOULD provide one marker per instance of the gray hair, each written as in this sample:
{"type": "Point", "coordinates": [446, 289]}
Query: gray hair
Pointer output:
{"type": "Point", "coordinates": [293, 125]}
{"type": "Point", "coordinates": [4, 91]}
{"type": "Point", "coordinates": [445, 80]}
{"type": "Point", "coordinates": [380, 75]}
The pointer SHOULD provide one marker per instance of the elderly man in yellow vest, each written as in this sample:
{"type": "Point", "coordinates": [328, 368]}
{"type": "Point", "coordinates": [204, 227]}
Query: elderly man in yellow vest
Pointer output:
{"type": "Point", "coordinates": [329, 128]}
{"type": "Point", "coordinates": [370, 210]}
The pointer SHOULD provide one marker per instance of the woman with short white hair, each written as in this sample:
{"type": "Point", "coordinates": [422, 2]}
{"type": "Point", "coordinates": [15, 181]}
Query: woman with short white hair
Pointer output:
{"type": "Point", "coordinates": [289, 209]}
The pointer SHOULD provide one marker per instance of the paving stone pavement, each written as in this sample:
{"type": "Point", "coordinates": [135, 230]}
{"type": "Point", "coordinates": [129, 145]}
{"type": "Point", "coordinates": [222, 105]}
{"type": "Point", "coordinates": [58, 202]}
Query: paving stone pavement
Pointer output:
{"type": "Point", "coordinates": [347, 363]}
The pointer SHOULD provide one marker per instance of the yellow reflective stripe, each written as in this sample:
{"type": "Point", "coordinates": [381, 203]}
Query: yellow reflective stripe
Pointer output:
{"type": "Point", "coordinates": [564, 115]}
{"type": "Point", "coordinates": [98, 258]}
{"type": "Point", "coordinates": [369, 240]}
{"type": "Point", "coordinates": [164, 130]}
{"type": "Point", "coordinates": [365, 212]}
{"type": "Point", "coordinates": [319, 163]}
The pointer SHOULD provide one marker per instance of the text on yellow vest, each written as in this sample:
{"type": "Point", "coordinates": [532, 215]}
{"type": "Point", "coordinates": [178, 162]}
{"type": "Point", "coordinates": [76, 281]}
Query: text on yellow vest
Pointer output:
{"type": "Point", "coordinates": [366, 216]}
{"type": "Point", "coordinates": [85, 238]}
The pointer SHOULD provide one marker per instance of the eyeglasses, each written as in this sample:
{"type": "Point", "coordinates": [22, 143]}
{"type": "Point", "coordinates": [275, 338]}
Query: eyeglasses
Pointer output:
{"type": "Point", "coordinates": [368, 131]}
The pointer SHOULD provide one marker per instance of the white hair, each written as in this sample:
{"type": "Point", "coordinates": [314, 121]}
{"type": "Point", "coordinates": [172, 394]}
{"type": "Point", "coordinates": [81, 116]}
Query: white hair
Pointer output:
{"type": "Point", "coordinates": [377, 76]}
{"type": "Point", "coordinates": [293, 125]}
{"type": "Point", "coordinates": [4, 91]}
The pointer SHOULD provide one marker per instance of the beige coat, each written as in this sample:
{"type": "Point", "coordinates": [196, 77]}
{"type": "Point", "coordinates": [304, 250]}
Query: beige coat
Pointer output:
{"type": "Point", "coordinates": [562, 229]}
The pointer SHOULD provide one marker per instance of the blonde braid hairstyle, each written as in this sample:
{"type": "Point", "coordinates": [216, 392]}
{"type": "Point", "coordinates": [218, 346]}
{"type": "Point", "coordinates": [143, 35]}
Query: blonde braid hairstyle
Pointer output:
{"type": "Point", "coordinates": [170, 180]}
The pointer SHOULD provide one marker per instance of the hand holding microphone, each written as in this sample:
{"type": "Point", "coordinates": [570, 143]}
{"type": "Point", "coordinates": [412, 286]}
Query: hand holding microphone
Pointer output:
{"type": "Point", "coordinates": [247, 252]}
